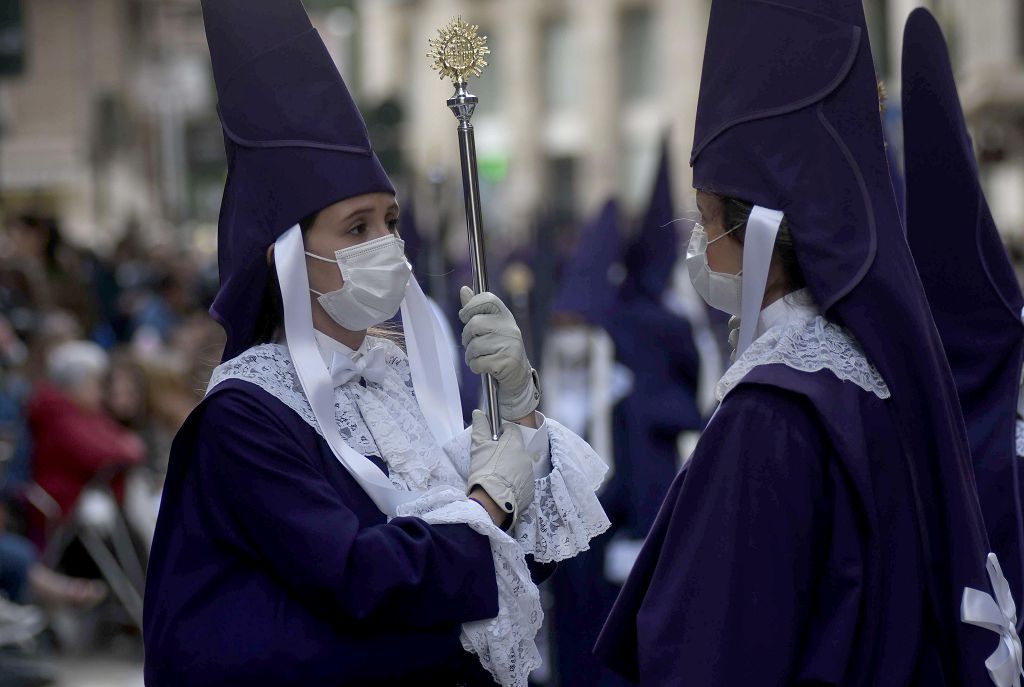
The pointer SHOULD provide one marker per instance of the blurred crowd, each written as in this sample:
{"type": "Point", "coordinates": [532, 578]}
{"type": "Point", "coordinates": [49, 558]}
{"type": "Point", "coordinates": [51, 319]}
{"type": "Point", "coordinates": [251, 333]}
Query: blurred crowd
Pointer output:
{"type": "Point", "coordinates": [102, 359]}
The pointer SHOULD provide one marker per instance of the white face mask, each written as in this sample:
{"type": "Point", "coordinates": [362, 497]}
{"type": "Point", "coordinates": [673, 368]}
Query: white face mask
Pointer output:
{"type": "Point", "coordinates": [719, 290]}
{"type": "Point", "coordinates": [571, 344]}
{"type": "Point", "coordinates": [375, 275]}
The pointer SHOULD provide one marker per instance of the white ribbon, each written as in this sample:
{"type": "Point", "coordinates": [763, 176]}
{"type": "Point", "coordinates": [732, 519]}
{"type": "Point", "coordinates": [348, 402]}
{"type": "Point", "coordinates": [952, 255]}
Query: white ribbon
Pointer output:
{"type": "Point", "coordinates": [371, 366]}
{"type": "Point", "coordinates": [998, 614]}
{"type": "Point", "coordinates": [758, 245]}
{"type": "Point", "coordinates": [289, 256]}
{"type": "Point", "coordinates": [432, 365]}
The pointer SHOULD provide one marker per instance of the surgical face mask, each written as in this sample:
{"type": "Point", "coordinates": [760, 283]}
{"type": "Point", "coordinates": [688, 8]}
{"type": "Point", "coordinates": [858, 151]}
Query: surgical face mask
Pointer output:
{"type": "Point", "coordinates": [719, 290]}
{"type": "Point", "coordinates": [571, 344]}
{"type": "Point", "coordinates": [375, 275]}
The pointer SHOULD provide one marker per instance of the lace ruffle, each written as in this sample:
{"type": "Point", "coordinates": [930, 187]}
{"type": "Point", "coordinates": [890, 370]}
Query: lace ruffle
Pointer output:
{"type": "Point", "coordinates": [385, 420]}
{"type": "Point", "coordinates": [566, 513]}
{"type": "Point", "coordinates": [378, 419]}
{"type": "Point", "coordinates": [808, 346]}
{"type": "Point", "coordinates": [504, 644]}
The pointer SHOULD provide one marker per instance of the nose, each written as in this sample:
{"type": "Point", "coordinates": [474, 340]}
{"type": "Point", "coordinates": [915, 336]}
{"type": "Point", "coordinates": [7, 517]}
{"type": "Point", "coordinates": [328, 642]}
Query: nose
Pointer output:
{"type": "Point", "coordinates": [378, 230]}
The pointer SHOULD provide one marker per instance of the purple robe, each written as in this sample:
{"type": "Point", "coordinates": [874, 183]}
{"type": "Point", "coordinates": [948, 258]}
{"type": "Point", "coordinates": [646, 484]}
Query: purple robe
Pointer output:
{"type": "Point", "coordinates": [785, 553]}
{"type": "Point", "coordinates": [271, 566]}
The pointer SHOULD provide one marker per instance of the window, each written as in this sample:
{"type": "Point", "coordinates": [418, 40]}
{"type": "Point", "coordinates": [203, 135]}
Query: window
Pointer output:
{"type": "Point", "coordinates": [561, 81]}
{"type": "Point", "coordinates": [561, 188]}
{"type": "Point", "coordinates": [638, 66]}
{"type": "Point", "coordinates": [490, 86]}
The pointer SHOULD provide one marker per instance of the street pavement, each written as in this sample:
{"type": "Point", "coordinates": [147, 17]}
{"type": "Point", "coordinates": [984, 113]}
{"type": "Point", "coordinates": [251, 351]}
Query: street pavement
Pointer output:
{"type": "Point", "coordinates": [99, 672]}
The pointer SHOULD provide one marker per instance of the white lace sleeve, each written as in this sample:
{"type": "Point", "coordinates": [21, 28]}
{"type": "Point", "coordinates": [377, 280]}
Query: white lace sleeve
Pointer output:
{"type": "Point", "coordinates": [566, 513]}
{"type": "Point", "coordinates": [504, 644]}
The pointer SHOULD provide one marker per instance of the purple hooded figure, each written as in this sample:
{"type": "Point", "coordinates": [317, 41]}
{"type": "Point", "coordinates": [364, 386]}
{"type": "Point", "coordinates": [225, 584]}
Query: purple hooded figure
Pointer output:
{"type": "Point", "coordinates": [971, 286]}
{"type": "Point", "coordinates": [584, 383]}
{"type": "Point", "coordinates": [327, 518]}
{"type": "Point", "coordinates": [826, 529]}
{"type": "Point", "coordinates": [587, 287]}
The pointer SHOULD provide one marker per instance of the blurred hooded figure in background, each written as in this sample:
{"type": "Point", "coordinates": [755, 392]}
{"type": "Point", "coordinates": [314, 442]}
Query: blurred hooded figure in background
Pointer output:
{"type": "Point", "coordinates": [971, 286]}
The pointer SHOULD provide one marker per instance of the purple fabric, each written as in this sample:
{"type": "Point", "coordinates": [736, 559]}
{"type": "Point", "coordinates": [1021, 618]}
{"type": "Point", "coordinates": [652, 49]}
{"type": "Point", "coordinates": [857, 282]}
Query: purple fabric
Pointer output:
{"type": "Point", "coordinates": [664, 362]}
{"type": "Point", "coordinates": [587, 287]}
{"type": "Point", "coordinates": [651, 258]}
{"type": "Point", "coordinates": [657, 347]}
{"type": "Point", "coordinates": [784, 553]}
{"type": "Point", "coordinates": [971, 286]}
{"type": "Point", "coordinates": [294, 139]}
{"type": "Point", "coordinates": [271, 566]}
{"type": "Point", "coordinates": [791, 122]}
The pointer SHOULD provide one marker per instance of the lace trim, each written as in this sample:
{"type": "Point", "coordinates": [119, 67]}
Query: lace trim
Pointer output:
{"type": "Point", "coordinates": [504, 644]}
{"type": "Point", "coordinates": [566, 513]}
{"type": "Point", "coordinates": [384, 419]}
{"type": "Point", "coordinates": [808, 346]}
{"type": "Point", "coordinates": [379, 419]}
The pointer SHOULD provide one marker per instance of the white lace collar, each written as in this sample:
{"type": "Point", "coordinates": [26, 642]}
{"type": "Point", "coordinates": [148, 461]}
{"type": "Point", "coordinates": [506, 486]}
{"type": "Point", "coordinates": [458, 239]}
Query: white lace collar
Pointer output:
{"type": "Point", "coordinates": [380, 419]}
{"type": "Point", "coordinates": [791, 332]}
{"type": "Point", "coordinates": [797, 306]}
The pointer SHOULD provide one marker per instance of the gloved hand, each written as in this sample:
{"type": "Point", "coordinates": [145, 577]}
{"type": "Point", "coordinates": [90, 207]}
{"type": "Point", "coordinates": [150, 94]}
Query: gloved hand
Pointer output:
{"type": "Point", "coordinates": [502, 468]}
{"type": "Point", "coordinates": [494, 346]}
{"type": "Point", "coordinates": [734, 336]}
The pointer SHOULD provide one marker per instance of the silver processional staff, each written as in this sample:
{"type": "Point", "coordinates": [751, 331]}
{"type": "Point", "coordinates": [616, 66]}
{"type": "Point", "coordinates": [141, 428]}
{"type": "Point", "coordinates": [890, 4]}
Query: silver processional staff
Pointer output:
{"type": "Point", "coordinates": [458, 53]}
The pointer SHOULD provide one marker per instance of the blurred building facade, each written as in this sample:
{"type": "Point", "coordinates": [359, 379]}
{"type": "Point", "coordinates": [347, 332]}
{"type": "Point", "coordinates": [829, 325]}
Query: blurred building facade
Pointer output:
{"type": "Point", "coordinates": [573, 105]}
{"type": "Point", "coordinates": [988, 47]}
{"type": "Point", "coordinates": [114, 119]}
{"type": "Point", "coordinates": [579, 93]}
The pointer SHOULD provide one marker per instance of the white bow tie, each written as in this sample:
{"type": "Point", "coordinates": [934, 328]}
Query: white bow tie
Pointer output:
{"type": "Point", "coordinates": [371, 366]}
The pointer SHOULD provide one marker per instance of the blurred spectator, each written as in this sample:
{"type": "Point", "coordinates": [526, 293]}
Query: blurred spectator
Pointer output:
{"type": "Point", "coordinates": [127, 397]}
{"type": "Point", "coordinates": [23, 579]}
{"type": "Point", "coordinates": [74, 438]}
{"type": "Point", "coordinates": [56, 271]}
{"type": "Point", "coordinates": [15, 446]}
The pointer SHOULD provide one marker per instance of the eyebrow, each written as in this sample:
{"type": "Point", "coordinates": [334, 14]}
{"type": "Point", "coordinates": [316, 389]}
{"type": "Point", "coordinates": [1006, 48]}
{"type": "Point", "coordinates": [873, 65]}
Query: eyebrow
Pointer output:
{"type": "Point", "coordinates": [367, 210]}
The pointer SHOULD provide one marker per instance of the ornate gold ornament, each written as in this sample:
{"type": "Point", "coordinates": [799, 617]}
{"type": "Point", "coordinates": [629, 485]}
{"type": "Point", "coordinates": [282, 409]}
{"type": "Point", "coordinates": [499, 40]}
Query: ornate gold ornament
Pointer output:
{"type": "Point", "coordinates": [458, 51]}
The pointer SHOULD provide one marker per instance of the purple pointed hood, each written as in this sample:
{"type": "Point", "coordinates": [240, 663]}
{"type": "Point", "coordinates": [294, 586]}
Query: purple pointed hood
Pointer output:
{"type": "Point", "coordinates": [651, 257]}
{"type": "Point", "coordinates": [791, 122]}
{"type": "Point", "coordinates": [971, 286]}
{"type": "Point", "coordinates": [295, 143]}
{"type": "Point", "coordinates": [588, 288]}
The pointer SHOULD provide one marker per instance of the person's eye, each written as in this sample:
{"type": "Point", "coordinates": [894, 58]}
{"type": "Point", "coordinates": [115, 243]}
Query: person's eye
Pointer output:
{"type": "Point", "coordinates": [393, 226]}
{"type": "Point", "coordinates": [357, 230]}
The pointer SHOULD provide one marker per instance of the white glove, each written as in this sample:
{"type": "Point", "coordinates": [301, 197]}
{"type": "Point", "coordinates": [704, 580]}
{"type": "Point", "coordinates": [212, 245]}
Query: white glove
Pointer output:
{"type": "Point", "coordinates": [494, 346]}
{"type": "Point", "coordinates": [502, 468]}
{"type": "Point", "coordinates": [734, 336]}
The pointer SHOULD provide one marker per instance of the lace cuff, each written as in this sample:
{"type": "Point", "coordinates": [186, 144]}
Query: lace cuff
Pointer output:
{"type": "Point", "coordinates": [566, 513]}
{"type": "Point", "coordinates": [504, 644]}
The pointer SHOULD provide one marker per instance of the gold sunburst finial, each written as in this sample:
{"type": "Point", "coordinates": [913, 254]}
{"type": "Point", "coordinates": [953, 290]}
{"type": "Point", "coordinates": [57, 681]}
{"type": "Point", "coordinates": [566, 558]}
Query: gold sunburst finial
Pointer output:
{"type": "Point", "coordinates": [458, 51]}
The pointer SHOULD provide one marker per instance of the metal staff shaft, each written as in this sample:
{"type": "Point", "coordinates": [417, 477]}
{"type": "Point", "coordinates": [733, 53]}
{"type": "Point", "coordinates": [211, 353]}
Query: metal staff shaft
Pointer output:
{"type": "Point", "coordinates": [462, 104]}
